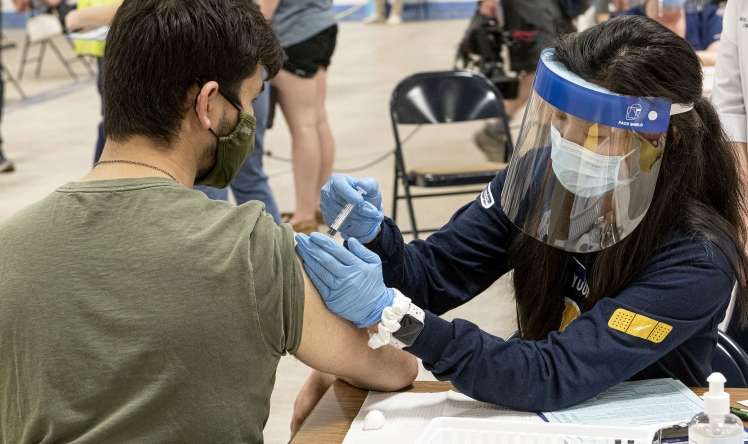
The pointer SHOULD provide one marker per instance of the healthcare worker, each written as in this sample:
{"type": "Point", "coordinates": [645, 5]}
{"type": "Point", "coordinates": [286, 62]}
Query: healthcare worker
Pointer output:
{"type": "Point", "coordinates": [619, 215]}
{"type": "Point", "coordinates": [700, 23]}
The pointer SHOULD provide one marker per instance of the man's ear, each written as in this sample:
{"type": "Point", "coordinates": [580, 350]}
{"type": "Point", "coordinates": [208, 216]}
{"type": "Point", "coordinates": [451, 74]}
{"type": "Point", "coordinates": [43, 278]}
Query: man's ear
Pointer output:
{"type": "Point", "coordinates": [204, 103]}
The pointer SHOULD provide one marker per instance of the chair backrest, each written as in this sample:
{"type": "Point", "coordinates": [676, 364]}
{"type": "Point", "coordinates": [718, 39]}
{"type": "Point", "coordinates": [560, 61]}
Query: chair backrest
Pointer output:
{"type": "Point", "coordinates": [445, 97]}
{"type": "Point", "coordinates": [730, 360]}
{"type": "Point", "coordinates": [42, 27]}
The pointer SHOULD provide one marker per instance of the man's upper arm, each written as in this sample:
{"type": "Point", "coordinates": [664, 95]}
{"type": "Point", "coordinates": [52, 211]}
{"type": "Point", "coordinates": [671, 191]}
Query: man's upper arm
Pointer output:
{"type": "Point", "coordinates": [333, 345]}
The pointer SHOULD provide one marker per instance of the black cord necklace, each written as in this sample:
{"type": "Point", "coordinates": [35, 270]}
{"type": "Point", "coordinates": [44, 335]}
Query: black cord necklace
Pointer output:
{"type": "Point", "coordinates": [132, 162]}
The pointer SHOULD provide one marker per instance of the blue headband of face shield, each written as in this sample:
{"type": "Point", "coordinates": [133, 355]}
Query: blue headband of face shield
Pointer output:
{"type": "Point", "coordinates": [572, 94]}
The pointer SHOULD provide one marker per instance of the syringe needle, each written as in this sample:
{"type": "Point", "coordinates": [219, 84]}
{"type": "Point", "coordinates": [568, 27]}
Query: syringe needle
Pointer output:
{"type": "Point", "coordinates": [343, 215]}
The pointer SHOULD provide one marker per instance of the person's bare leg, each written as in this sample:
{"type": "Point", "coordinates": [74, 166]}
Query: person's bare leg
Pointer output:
{"type": "Point", "coordinates": [525, 88]}
{"type": "Point", "coordinates": [491, 139]}
{"type": "Point", "coordinates": [298, 100]}
{"type": "Point", "coordinates": [378, 15]}
{"type": "Point", "coordinates": [326, 140]}
{"type": "Point", "coordinates": [397, 8]}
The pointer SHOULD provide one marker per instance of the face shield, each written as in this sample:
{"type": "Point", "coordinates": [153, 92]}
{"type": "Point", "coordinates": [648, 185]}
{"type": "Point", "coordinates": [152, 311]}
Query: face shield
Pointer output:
{"type": "Point", "coordinates": [586, 162]}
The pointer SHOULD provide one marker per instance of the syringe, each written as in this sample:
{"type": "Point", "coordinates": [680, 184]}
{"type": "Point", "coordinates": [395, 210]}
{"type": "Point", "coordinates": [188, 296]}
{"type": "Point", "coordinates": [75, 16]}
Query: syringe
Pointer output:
{"type": "Point", "coordinates": [343, 215]}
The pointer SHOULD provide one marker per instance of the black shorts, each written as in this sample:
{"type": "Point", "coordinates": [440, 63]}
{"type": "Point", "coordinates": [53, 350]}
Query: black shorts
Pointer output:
{"type": "Point", "coordinates": [305, 58]}
{"type": "Point", "coordinates": [534, 25]}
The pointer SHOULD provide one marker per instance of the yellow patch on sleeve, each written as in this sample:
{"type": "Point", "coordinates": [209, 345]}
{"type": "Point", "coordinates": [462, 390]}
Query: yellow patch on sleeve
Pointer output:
{"type": "Point", "coordinates": [640, 326]}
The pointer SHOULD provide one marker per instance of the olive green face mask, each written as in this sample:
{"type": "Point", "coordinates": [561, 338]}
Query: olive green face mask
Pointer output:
{"type": "Point", "coordinates": [231, 151]}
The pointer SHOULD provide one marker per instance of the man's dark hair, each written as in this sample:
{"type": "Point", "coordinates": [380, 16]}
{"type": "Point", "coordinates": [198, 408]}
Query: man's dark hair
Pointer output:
{"type": "Point", "coordinates": [157, 49]}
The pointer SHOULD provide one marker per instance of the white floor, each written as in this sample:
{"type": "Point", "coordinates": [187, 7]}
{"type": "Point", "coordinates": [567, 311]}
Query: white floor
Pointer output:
{"type": "Point", "coordinates": [52, 142]}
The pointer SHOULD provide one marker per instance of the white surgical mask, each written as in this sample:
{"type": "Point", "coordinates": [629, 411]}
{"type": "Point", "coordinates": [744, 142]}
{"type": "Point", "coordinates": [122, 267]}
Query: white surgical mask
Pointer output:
{"type": "Point", "coordinates": [583, 172]}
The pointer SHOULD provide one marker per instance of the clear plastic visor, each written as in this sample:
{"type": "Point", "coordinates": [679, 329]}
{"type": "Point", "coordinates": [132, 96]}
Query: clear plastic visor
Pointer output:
{"type": "Point", "coordinates": [578, 185]}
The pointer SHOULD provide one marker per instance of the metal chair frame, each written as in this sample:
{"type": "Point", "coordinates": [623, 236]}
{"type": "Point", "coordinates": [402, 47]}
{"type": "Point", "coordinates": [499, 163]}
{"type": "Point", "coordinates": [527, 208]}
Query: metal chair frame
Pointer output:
{"type": "Point", "coordinates": [736, 357]}
{"type": "Point", "coordinates": [6, 72]}
{"type": "Point", "coordinates": [43, 43]}
{"type": "Point", "coordinates": [493, 108]}
{"type": "Point", "coordinates": [40, 57]}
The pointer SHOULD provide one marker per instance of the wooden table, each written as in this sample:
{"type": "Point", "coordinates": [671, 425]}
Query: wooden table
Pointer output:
{"type": "Point", "coordinates": [332, 417]}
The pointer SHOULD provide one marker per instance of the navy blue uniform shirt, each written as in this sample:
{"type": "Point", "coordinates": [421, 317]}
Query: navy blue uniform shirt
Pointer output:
{"type": "Point", "coordinates": [663, 324]}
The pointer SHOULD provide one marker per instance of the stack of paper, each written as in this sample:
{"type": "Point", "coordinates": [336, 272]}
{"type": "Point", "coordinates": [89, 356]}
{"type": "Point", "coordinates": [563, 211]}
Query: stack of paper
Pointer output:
{"type": "Point", "coordinates": [482, 431]}
{"type": "Point", "coordinates": [638, 403]}
{"type": "Point", "coordinates": [651, 403]}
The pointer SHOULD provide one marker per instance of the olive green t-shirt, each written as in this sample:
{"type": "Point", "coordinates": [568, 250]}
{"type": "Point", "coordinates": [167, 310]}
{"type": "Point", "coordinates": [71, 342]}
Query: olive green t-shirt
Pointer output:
{"type": "Point", "coordinates": [136, 310]}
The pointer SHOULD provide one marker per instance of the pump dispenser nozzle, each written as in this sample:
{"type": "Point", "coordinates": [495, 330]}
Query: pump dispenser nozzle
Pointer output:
{"type": "Point", "coordinates": [716, 401]}
{"type": "Point", "coordinates": [716, 425]}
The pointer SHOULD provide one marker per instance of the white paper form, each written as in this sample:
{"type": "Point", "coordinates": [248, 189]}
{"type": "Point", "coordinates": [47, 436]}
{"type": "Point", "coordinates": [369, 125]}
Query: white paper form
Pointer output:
{"type": "Point", "coordinates": [649, 402]}
{"type": "Point", "coordinates": [408, 414]}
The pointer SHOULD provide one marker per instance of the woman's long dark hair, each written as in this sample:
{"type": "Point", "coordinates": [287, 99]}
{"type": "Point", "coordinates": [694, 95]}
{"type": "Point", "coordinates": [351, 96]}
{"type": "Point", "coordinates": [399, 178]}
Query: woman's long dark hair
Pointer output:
{"type": "Point", "coordinates": [699, 190]}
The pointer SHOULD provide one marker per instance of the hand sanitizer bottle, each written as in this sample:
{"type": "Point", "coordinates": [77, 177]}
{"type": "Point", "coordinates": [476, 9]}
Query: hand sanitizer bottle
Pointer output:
{"type": "Point", "coordinates": [716, 425]}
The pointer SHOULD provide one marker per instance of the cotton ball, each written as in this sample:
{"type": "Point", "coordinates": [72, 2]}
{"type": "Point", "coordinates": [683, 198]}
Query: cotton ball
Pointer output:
{"type": "Point", "coordinates": [374, 420]}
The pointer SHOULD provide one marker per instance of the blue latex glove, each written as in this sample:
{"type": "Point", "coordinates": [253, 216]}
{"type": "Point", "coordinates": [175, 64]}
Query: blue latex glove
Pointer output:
{"type": "Point", "coordinates": [349, 281]}
{"type": "Point", "coordinates": [364, 221]}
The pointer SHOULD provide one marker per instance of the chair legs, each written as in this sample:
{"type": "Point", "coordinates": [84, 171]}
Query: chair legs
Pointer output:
{"type": "Point", "coordinates": [84, 61]}
{"type": "Point", "coordinates": [64, 61]}
{"type": "Point", "coordinates": [395, 192]}
{"type": "Point", "coordinates": [38, 59]}
{"type": "Point", "coordinates": [411, 211]}
{"type": "Point", "coordinates": [401, 174]}
{"type": "Point", "coordinates": [12, 80]}
{"type": "Point", "coordinates": [24, 58]}
{"type": "Point", "coordinates": [509, 144]}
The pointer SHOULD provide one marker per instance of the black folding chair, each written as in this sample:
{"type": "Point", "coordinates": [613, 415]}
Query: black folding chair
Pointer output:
{"type": "Point", "coordinates": [438, 98]}
{"type": "Point", "coordinates": [731, 360]}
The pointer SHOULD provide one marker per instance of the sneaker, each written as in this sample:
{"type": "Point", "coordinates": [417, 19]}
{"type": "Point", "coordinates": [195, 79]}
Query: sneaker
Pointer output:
{"type": "Point", "coordinates": [394, 20]}
{"type": "Point", "coordinates": [491, 140]}
{"type": "Point", "coordinates": [6, 166]}
{"type": "Point", "coordinates": [373, 19]}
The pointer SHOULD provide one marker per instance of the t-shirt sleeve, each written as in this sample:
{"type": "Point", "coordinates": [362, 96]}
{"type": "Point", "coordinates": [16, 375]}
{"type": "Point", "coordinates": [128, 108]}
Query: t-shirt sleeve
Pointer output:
{"type": "Point", "coordinates": [278, 284]}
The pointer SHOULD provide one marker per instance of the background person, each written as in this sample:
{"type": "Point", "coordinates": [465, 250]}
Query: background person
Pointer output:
{"type": "Point", "coordinates": [533, 25]}
{"type": "Point", "coordinates": [603, 8]}
{"type": "Point", "coordinates": [728, 96]}
{"type": "Point", "coordinates": [308, 33]}
{"type": "Point", "coordinates": [700, 26]}
{"type": "Point", "coordinates": [6, 165]}
{"type": "Point", "coordinates": [89, 15]}
{"type": "Point", "coordinates": [624, 244]}
{"type": "Point", "coordinates": [380, 13]}
{"type": "Point", "coordinates": [134, 309]}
